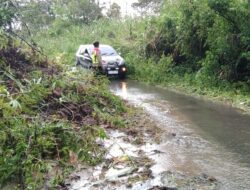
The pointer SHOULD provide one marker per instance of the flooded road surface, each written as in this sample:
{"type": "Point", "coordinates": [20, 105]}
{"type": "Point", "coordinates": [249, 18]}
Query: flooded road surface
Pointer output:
{"type": "Point", "coordinates": [200, 136]}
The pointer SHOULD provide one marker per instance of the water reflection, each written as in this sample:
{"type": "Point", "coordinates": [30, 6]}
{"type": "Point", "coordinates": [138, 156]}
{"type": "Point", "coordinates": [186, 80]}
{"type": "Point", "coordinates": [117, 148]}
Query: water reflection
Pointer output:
{"type": "Point", "coordinates": [124, 92]}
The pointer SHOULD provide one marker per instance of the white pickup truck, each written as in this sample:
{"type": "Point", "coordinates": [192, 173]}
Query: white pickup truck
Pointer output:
{"type": "Point", "coordinates": [112, 62]}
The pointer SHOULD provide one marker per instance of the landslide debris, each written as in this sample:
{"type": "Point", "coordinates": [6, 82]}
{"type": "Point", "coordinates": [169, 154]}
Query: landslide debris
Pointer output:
{"type": "Point", "coordinates": [50, 117]}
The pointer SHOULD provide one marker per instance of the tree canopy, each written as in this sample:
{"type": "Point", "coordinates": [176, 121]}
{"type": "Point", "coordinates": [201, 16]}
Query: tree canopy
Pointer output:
{"type": "Point", "coordinates": [114, 11]}
{"type": "Point", "coordinates": [146, 6]}
{"type": "Point", "coordinates": [211, 37]}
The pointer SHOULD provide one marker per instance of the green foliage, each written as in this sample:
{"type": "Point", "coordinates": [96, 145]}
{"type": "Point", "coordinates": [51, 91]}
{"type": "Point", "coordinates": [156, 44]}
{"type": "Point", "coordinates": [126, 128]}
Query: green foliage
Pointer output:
{"type": "Point", "coordinates": [37, 15]}
{"type": "Point", "coordinates": [49, 117]}
{"type": "Point", "coordinates": [7, 13]}
{"type": "Point", "coordinates": [206, 44]}
{"type": "Point", "coordinates": [114, 11]}
{"type": "Point", "coordinates": [29, 17]}
{"type": "Point", "coordinates": [208, 35]}
{"type": "Point", "coordinates": [26, 145]}
{"type": "Point", "coordinates": [79, 11]}
{"type": "Point", "coordinates": [147, 6]}
{"type": "Point", "coordinates": [62, 40]}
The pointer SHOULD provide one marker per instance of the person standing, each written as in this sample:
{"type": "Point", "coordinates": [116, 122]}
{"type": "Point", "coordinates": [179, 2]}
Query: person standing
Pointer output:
{"type": "Point", "coordinates": [96, 57]}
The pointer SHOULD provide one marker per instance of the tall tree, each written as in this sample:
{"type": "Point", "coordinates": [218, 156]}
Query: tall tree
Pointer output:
{"type": "Point", "coordinates": [114, 11]}
{"type": "Point", "coordinates": [147, 6]}
{"type": "Point", "coordinates": [80, 11]}
{"type": "Point", "coordinates": [37, 14]}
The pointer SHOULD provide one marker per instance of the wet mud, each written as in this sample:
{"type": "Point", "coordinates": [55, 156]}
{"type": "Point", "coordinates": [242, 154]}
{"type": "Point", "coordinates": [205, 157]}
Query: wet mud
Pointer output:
{"type": "Point", "coordinates": [132, 160]}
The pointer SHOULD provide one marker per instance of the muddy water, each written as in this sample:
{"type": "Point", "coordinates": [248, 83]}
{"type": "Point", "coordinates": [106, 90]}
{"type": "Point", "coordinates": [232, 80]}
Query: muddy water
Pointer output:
{"type": "Point", "coordinates": [200, 136]}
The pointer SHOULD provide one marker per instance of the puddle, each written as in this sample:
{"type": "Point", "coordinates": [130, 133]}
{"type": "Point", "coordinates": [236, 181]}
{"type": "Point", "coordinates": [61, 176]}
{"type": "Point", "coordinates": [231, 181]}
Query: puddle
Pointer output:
{"type": "Point", "coordinates": [200, 137]}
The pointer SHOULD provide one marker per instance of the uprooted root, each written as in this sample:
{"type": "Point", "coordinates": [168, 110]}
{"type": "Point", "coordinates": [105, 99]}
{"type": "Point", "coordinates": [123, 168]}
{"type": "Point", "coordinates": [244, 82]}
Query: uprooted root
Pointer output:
{"type": "Point", "coordinates": [79, 113]}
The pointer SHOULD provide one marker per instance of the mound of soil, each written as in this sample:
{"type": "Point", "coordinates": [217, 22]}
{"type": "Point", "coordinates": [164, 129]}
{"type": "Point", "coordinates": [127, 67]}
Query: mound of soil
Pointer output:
{"type": "Point", "coordinates": [16, 64]}
{"type": "Point", "coordinates": [21, 62]}
{"type": "Point", "coordinates": [78, 113]}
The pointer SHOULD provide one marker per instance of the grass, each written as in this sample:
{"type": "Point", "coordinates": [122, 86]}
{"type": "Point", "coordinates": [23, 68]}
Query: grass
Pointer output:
{"type": "Point", "coordinates": [130, 39]}
{"type": "Point", "coordinates": [50, 117]}
{"type": "Point", "coordinates": [162, 74]}
{"type": "Point", "coordinates": [61, 42]}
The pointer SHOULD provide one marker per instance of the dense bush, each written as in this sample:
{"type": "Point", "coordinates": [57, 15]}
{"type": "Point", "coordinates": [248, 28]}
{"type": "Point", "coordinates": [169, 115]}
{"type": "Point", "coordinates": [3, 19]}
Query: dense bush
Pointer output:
{"type": "Point", "coordinates": [50, 117]}
{"type": "Point", "coordinates": [201, 46]}
{"type": "Point", "coordinates": [210, 37]}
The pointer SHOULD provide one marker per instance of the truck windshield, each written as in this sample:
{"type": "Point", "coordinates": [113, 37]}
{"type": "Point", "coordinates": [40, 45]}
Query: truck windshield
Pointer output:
{"type": "Point", "coordinates": [105, 50]}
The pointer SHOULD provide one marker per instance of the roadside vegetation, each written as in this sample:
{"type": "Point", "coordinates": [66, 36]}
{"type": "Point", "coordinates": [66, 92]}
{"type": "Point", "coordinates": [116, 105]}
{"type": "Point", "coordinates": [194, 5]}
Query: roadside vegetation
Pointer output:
{"type": "Point", "coordinates": [201, 47]}
{"type": "Point", "coordinates": [50, 117]}
{"type": "Point", "coordinates": [51, 114]}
